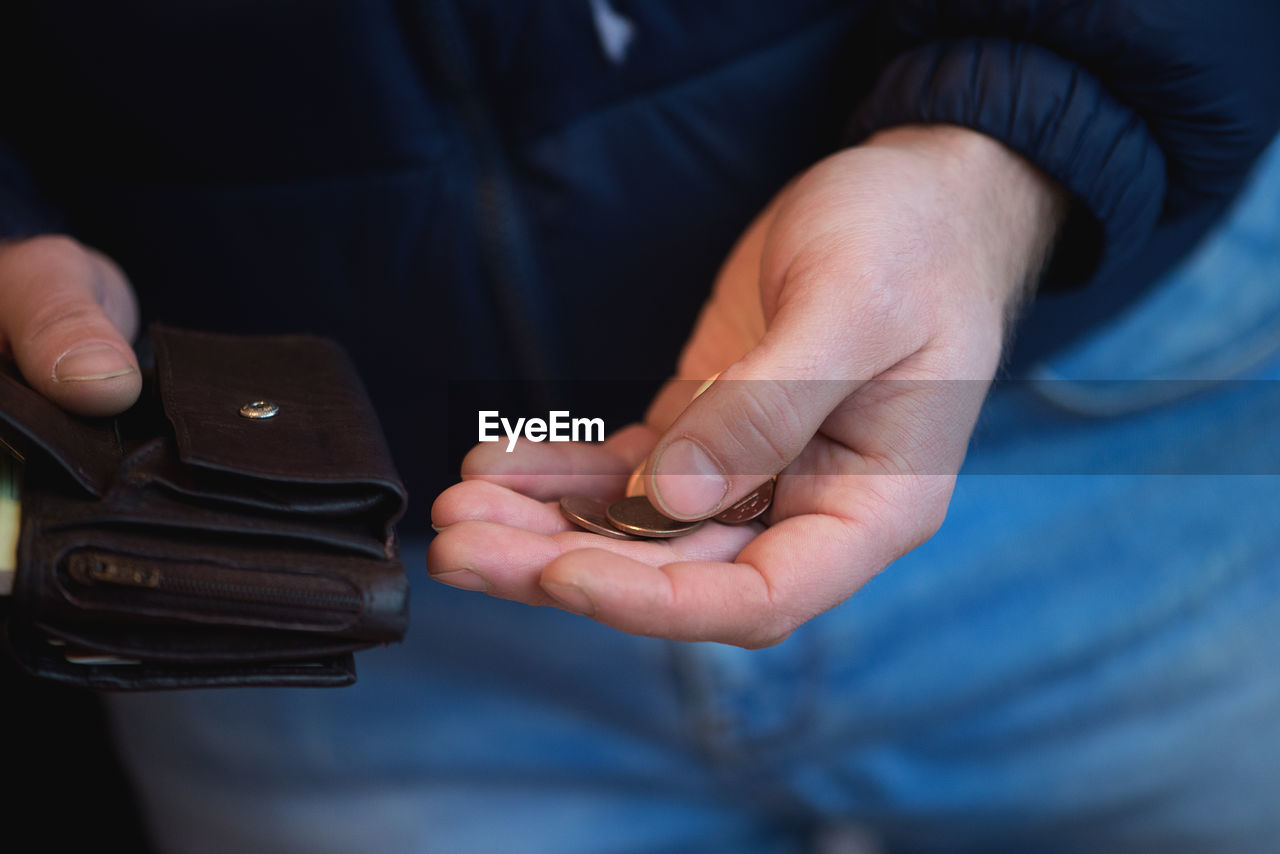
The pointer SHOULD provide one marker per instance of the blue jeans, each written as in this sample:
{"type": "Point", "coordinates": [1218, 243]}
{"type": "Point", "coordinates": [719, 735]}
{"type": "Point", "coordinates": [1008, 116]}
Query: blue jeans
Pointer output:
{"type": "Point", "coordinates": [1077, 662]}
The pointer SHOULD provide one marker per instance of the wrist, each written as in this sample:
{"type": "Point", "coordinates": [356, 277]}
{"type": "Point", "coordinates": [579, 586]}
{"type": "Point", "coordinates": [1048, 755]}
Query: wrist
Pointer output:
{"type": "Point", "coordinates": [1011, 210]}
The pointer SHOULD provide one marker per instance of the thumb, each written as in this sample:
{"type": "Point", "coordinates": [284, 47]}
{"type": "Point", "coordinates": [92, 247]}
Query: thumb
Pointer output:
{"type": "Point", "coordinates": [67, 314]}
{"type": "Point", "coordinates": [743, 429]}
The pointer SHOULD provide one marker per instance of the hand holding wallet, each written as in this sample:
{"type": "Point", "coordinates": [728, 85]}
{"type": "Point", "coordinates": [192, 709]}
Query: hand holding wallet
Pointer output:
{"type": "Point", "coordinates": [234, 527]}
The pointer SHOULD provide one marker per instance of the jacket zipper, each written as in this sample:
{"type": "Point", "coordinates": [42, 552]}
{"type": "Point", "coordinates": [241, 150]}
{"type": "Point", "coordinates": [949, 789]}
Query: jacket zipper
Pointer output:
{"type": "Point", "coordinates": [436, 35]}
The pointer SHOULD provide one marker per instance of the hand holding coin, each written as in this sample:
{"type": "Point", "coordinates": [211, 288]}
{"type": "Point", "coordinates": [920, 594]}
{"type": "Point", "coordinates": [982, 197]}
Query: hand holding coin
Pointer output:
{"type": "Point", "coordinates": [857, 323]}
{"type": "Point", "coordinates": [752, 506]}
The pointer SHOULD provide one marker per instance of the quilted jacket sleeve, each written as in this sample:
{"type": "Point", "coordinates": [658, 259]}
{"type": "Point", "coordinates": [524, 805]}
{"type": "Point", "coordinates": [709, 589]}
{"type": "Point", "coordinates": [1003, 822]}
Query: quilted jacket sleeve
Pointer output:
{"type": "Point", "coordinates": [1147, 111]}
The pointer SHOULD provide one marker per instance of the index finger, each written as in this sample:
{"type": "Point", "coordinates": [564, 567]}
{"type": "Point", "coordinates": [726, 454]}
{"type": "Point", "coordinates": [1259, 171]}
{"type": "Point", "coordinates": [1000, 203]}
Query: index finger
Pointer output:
{"type": "Point", "coordinates": [548, 471]}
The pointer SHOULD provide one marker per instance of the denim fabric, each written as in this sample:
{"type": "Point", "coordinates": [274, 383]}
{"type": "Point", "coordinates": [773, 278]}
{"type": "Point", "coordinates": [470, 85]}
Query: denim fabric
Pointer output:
{"type": "Point", "coordinates": [1075, 663]}
{"type": "Point", "coordinates": [1215, 317]}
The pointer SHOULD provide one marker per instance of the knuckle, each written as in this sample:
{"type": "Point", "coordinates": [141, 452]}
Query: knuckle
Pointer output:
{"type": "Point", "coordinates": [901, 511]}
{"type": "Point", "coordinates": [891, 316]}
{"type": "Point", "coordinates": [930, 511]}
{"type": "Point", "coordinates": [765, 425]}
{"type": "Point", "coordinates": [930, 523]}
{"type": "Point", "coordinates": [451, 548]}
{"type": "Point", "coordinates": [771, 632]}
{"type": "Point", "coordinates": [64, 317]}
{"type": "Point", "coordinates": [46, 256]}
{"type": "Point", "coordinates": [61, 245]}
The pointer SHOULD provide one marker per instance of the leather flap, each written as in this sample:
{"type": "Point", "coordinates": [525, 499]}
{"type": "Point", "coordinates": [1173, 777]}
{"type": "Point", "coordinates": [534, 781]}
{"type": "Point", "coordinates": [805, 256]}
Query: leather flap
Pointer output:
{"type": "Point", "coordinates": [323, 437]}
{"type": "Point", "coordinates": [88, 449]}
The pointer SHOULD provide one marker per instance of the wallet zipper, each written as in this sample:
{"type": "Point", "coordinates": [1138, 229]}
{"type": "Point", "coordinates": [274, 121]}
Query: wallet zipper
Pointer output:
{"type": "Point", "coordinates": [192, 579]}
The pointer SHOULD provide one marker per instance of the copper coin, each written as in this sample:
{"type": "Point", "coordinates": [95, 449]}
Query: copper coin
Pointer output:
{"type": "Point", "coordinates": [635, 515]}
{"type": "Point", "coordinates": [635, 484]}
{"type": "Point", "coordinates": [706, 384]}
{"type": "Point", "coordinates": [750, 507]}
{"type": "Point", "coordinates": [590, 514]}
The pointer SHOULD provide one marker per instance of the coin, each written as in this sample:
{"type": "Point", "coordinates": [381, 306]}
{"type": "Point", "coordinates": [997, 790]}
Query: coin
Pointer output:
{"type": "Point", "coordinates": [750, 507]}
{"type": "Point", "coordinates": [635, 483]}
{"type": "Point", "coordinates": [635, 515]}
{"type": "Point", "coordinates": [590, 514]}
{"type": "Point", "coordinates": [706, 384]}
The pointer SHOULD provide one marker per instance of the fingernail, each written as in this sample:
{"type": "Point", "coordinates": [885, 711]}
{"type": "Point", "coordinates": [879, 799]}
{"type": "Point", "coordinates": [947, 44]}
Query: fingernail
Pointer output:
{"type": "Point", "coordinates": [688, 481]}
{"type": "Point", "coordinates": [571, 597]}
{"type": "Point", "coordinates": [464, 579]}
{"type": "Point", "coordinates": [90, 362]}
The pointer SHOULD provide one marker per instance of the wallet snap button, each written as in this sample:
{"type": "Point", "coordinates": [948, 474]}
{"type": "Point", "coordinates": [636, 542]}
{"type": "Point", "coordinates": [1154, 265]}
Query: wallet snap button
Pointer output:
{"type": "Point", "coordinates": [259, 409]}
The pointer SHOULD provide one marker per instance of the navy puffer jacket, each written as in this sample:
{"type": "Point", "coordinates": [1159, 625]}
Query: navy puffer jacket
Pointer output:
{"type": "Point", "coordinates": [471, 189]}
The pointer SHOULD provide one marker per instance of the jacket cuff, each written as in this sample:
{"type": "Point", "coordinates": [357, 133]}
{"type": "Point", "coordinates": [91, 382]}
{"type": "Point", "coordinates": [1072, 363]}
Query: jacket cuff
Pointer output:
{"type": "Point", "coordinates": [1050, 111]}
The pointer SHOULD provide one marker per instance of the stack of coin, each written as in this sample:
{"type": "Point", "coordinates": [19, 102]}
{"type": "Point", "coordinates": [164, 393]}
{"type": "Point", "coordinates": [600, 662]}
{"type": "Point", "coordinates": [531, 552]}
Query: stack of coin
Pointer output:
{"type": "Point", "coordinates": [634, 517]}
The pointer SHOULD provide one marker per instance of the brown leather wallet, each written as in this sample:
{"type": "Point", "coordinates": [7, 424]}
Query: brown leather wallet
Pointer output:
{"type": "Point", "coordinates": [235, 527]}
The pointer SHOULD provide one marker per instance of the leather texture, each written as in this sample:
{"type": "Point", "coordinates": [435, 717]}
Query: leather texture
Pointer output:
{"type": "Point", "coordinates": [184, 545]}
